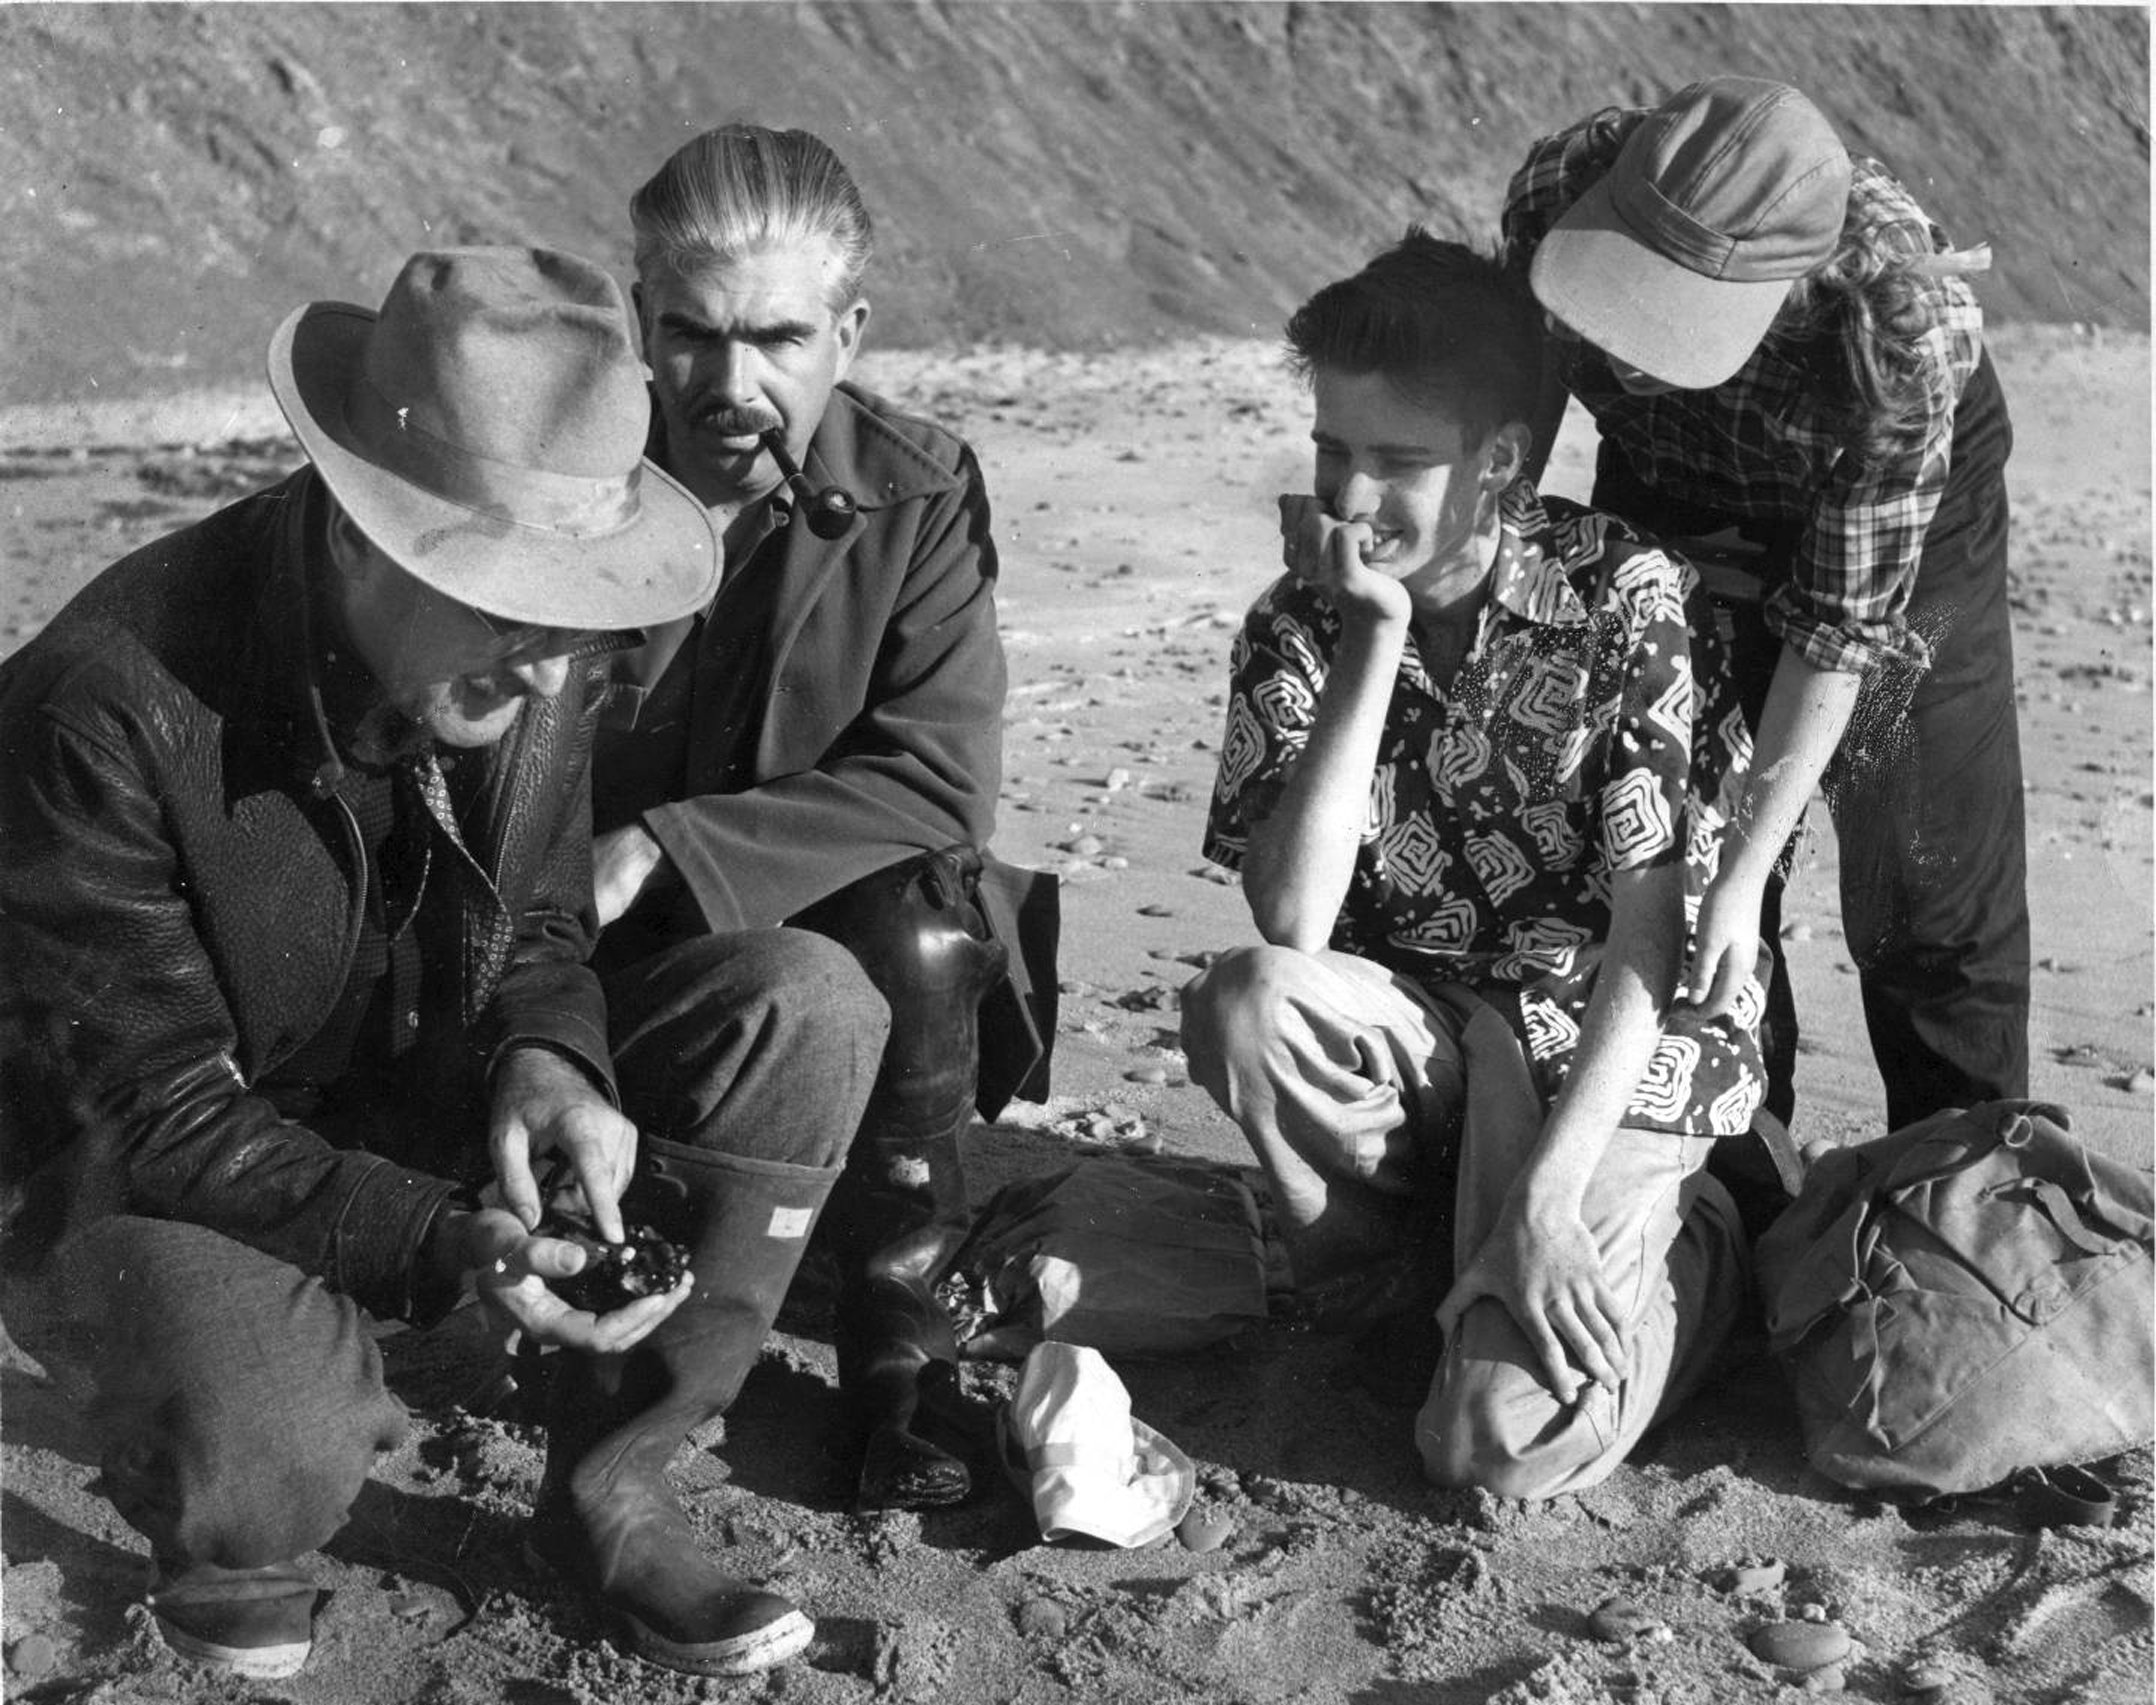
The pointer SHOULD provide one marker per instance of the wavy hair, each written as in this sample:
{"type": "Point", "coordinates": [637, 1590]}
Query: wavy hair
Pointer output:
{"type": "Point", "coordinates": [742, 189]}
{"type": "Point", "coordinates": [1444, 324]}
{"type": "Point", "coordinates": [1857, 323]}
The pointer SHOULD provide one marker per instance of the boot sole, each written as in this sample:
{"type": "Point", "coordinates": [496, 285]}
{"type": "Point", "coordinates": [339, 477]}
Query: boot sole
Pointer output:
{"type": "Point", "coordinates": [906, 1470]}
{"type": "Point", "coordinates": [915, 1495]}
{"type": "Point", "coordinates": [257, 1663]}
{"type": "Point", "coordinates": [745, 1654]}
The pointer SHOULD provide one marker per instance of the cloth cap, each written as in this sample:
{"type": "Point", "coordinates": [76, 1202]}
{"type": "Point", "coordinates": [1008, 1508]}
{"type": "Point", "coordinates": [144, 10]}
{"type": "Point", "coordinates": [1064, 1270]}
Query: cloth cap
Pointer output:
{"type": "Point", "coordinates": [486, 430]}
{"type": "Point", "coordinates": [1069, 1439]}
{"type": "Point", "coordinates": [1678, 258]}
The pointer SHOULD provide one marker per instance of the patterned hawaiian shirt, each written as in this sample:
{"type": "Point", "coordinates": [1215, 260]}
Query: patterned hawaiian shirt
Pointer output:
{"type": "Point", "coordinates": [1591, 729]}
{"type": "Point", "coordinates": [1759, 446]}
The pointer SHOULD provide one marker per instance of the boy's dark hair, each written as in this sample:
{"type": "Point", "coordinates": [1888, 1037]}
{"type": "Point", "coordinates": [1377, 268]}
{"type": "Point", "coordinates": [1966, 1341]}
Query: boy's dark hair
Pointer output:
{"type": "Point", "coordinates": [1441, 322]}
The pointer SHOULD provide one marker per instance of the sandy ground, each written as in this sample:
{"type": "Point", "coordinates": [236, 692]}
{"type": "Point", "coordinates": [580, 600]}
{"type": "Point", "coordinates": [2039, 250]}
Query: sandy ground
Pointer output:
{"type": "Point", "coordinates": [1134, 514]}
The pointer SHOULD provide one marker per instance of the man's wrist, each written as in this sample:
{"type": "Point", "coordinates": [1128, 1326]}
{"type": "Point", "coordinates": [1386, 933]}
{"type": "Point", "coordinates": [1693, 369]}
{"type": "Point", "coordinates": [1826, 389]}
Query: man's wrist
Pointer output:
{"type": "Point", "coordinates": [630, 872]}
{"type": "Point", "coordinates": [1371, 622]}
{"type": "Point", "coordinates": [637, 854]}
{"type": "Point", "coordinates": [1552, 1186]}
{"type": "Point", "coordinates": [1550, 1201]}
{"type": "Point", "coordinates": [541, 1058]}
{"type": "Point", "coordinates": [1745, 866]}
{"type": "Point", "coordinates": [641, 850]}
{"type": "Point", "coordinates": [442, 1263]}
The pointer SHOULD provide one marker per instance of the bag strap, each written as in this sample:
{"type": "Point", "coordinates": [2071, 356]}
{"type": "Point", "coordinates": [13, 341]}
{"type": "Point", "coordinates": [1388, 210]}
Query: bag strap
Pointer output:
{"type": "Point", "coordinates": [2061, 1495]}
{"type": "Point", "coordinates": [2058, 1207]}
{"type": "Point", "coordinates": [1782, 1150]}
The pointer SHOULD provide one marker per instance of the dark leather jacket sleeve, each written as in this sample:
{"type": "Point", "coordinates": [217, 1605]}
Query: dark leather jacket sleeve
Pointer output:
{"type": "Point", "coordinates": [120, 1044]}
{"type": "Point", "coordinates": [179, 892]}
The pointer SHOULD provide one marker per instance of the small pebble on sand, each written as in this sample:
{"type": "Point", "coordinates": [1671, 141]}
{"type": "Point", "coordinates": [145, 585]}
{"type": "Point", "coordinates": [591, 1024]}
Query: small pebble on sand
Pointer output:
{"type": "Point", "coordinates": [1800, 1645]}
{"type": "Point", "coordinates": [32, 1656]}
{"type": "Point", "coordinates": [1147, 1074]}
{"type": "Point", "coordinates": [1043, 1617]}
{"type": "Point", "coordinates": [1757, 1577]}
{"type": "Point", "coordinates": [1924, 1681]}
{"type": "Point", "coordinates": [2142, 1082]}
{"type": "Point", "coordinates": [1204, 1530]}
{"type": "Point", "coordinates": [1619, 1620]}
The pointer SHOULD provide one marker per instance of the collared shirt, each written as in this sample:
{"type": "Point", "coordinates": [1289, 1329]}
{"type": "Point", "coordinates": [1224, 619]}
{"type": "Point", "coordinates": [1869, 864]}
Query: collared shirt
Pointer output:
{"type": "Point", "coordinates": [1592, 729]}
{"type": "Point", "coordinates": [1762, 445]}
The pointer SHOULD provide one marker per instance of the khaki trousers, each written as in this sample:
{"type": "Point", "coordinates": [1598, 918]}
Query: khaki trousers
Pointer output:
{"type": "Point", "coordinates": [1355, 1088]}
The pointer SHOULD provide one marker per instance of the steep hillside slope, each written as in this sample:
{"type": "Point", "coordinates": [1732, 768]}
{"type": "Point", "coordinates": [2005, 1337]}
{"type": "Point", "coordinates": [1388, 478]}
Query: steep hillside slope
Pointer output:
{"type": "Point", "coordinates": [1067, 174]}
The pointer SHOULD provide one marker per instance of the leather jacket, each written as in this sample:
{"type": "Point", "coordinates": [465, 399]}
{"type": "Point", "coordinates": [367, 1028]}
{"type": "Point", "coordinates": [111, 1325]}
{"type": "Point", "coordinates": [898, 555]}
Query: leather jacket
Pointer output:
{"type": "Point", "coordinates": [181, 888]}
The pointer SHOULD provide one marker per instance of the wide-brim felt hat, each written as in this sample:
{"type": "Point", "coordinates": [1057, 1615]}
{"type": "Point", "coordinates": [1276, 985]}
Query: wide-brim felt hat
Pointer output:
{"type": "Point", "coordinates": [1678, 258]}
{"type": "Point", "coordinates": [486, 431]}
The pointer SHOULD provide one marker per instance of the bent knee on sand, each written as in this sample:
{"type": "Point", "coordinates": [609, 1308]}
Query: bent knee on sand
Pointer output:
{"type": "Point", "coordinates": [1238, 978]}
{"type": "Point", "coordinates": [1499, 1428]}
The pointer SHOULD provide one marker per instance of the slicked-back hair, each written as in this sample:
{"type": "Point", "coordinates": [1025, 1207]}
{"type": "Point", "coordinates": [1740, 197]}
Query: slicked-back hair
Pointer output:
{"type": "Point", "coordinates": [1440, 322]}
{"type": "Point", "coordinates": [740, 190]}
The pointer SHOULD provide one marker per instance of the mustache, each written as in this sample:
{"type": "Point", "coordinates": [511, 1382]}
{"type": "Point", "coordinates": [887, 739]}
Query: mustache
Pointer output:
{"type": "Point", "coordinates": [734, 422]}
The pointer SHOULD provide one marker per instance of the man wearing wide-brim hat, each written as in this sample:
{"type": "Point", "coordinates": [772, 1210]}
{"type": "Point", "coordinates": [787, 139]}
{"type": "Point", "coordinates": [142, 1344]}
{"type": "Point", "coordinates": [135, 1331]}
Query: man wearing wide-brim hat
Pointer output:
{"type": "Point", "coordinates": [293, 921]}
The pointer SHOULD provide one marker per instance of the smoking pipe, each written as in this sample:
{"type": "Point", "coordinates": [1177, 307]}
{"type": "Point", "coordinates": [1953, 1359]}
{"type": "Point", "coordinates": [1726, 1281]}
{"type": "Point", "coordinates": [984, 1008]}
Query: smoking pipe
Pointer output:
{"type": "Point", "coordinates": [830, 511]}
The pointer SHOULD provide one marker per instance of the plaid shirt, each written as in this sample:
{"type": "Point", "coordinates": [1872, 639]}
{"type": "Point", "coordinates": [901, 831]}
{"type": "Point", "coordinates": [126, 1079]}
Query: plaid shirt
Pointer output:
{"type": "Point", "coordinates": [1760, 446]}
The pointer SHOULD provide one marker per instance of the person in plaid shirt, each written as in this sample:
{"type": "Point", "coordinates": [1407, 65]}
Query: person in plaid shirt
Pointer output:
{"type": "Point", "coordinates": [1479, 753]}
{"type": "Point", "coordinates": [1778, 349]}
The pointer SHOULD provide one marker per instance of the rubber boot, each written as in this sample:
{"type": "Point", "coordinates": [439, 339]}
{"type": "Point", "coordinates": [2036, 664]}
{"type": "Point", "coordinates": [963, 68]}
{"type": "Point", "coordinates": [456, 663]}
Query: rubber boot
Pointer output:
{"type": "Point", "coordinates": [897, 1357]}
{"type": "Point", "coordinates": [605, 1517]}
{"type": "Point", "coordinates": [899, 1212]}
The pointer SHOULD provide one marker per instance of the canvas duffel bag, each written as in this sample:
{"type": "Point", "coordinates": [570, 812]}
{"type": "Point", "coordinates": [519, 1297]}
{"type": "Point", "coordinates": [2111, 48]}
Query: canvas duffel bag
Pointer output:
{"type": "Point", "coordinates": [1964, 1298]}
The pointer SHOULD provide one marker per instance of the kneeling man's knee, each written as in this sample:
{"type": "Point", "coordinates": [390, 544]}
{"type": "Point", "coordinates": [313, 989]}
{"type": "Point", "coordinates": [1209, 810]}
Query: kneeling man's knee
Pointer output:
{"type": "Point", "coordinates": [819, 986]}
{"type": "Point", "coordinates": [1231, 1000]}
{"type": "Point", "coordinates": [764, 1044]}
{"type": "Point", "coordinates": [1492, 1423]}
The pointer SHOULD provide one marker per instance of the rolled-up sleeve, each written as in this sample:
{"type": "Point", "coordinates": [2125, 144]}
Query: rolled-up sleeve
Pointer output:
{"type": "Point", "coordinates": [1846, 604]}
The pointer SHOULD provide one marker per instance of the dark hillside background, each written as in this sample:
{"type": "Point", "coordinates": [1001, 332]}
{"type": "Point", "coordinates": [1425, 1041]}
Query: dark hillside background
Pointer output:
{"type": "Point", "coordinates": [1076, 175]}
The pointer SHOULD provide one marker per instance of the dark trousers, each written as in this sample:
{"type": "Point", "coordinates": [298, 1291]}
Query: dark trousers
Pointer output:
{"type": "Point", "coordinates": [237, 1404]}
{"type": "Point", "coordinates": [1925, 794]}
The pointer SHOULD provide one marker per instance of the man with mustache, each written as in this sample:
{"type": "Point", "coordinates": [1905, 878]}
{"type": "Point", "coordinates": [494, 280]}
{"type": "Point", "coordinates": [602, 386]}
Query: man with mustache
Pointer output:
{"type": "Point", "coordinates": [293, 926]}
{"type": "Point", "coordinates": [816, 752]}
